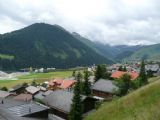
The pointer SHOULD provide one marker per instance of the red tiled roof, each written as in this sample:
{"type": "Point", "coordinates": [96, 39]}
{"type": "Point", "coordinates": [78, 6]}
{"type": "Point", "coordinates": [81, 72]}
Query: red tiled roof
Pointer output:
{"type": "Point", "coordinates": [118, 74]}
{"type": "Point", "coordinates": [55, 81]}
{"type": "Point", "coordinates": [64, 84]}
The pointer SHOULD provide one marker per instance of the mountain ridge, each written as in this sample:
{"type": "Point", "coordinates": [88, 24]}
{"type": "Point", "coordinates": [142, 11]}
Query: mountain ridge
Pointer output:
{"type": "Point", "coordinates": [149, 52]}
{"type": "Point", "coordinates": [44, 45]}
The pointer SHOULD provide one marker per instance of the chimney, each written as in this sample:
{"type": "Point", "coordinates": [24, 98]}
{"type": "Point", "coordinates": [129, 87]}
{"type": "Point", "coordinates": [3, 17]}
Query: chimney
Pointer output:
{"type": "Point", "coordinates": [29, 110]}
{"type": "Point", "coordinates": [2, 102]}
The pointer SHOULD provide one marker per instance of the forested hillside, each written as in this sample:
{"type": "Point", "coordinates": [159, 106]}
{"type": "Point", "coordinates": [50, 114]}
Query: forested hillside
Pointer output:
{"type": "Point", "coordinates": [151, 52]}
{"type": "Point", "coordinates": [44, 45]}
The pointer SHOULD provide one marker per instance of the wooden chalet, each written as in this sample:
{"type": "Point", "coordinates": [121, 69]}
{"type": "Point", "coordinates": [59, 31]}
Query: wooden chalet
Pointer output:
{"type": "Point", "coordinates": [60, 102]}
{"type": "Point", "coordinates": [61, 84]}
{"type": "Point", "coordinates": [104, 88]}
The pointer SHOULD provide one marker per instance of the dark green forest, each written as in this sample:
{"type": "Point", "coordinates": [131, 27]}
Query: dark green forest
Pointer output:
{"type": "Point", "coordinates": [44, 45]}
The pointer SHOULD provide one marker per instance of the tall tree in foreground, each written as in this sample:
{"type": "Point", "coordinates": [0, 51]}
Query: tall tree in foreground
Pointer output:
{"type": "Point", "coordinates": [124, 84]}
{"type": "Point", "coordinates": [76, 108]}
{"type": "Point", "coordinates": [142, 75]}
{"type": "Point", "coordinates": [86, 89]}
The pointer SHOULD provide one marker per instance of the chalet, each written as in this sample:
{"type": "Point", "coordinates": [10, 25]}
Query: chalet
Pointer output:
{"type": "Point", "coordinates": [4, 94]}
{"type": "Point", "coordinates": [61, 84]}
{"type": "Point", "coordinates": [158, 73]}
{"type": "Point", "coordinates": [18, 89]}
{"type": "Point", "coordinates": [32, 90]}
{"type": "Point", "coordinates": [119, 74]}
{"type": "Point", "coordinates": [60, 103]}
{"type": "Point", "coordinates": [41, 95]}
{"type": "Point", "coordinates": [152, 67]}
{"type": "Point", "coordinates": [104, 88]}
{"type": "Point", "coordinates": [23, 97]}
{"type": "Point", "coordinates": [19, 110]}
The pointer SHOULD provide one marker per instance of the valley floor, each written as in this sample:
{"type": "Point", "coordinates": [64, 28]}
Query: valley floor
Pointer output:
{"type": "Point", "coordinates": [38, 77]}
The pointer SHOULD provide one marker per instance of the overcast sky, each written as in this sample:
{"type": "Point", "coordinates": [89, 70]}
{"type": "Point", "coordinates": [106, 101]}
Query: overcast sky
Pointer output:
{"type": "Point", "coordinates": [108, 21]}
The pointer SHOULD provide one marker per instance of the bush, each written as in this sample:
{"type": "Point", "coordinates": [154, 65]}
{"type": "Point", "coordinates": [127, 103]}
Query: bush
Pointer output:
{"type": "Point", "coordinates": [4, 88]}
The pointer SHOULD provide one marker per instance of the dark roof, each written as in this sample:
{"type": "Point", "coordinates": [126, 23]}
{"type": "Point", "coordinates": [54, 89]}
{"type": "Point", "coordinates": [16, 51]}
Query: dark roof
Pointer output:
{"type": "Point", "coordinates": [39, 95]}
{"type": "Point", "coordinates": [23, 97]}
{"type": "Point", "coordinates": [47, 92]}
{"type": "Point", "coordinates": [60, 100]}
{"type": "Point", "coordinates": [17, 87]}
{"type": "Point", "coordinates": [2, 118]}
{"type": "Point", "coordinates": [4, 94]}
{"type": "Point", "coordinates": [26, 109]}
{"type": "Point", "coordinates": [152, 67]}
{"type": "Point", "coordinates": [14, 110]}
{"type": "Point", "coordinates": [54, 117]}
{"type": "Point", "coordinates": [105, 86]}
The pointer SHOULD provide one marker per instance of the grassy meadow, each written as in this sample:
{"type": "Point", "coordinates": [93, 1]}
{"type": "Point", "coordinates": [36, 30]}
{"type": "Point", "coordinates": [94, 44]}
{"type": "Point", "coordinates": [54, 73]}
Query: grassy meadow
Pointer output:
{"type": "Point", "coordinates": [38, 77]}
{"type": "Point", "coordinates": [142, 104]}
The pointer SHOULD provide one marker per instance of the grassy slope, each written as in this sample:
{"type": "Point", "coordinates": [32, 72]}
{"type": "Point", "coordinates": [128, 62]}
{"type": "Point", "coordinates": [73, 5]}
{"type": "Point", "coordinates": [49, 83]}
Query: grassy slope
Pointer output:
{"type": "Point", "coordinates": [142, 104]}
{"type": "Point", "coordinates": [151, 51]}
{"type": "Point", "coordinates": [38, 77]}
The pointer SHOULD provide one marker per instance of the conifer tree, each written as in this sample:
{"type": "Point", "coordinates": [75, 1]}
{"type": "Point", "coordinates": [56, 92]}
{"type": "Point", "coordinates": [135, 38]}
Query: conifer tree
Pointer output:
{"type": "Point", "coordinates": [86, 90]}
{"type": "Point", "coordinates": [124, 69]}
{"type": "Point", "coordinates": [124, 84]}
{"type": "Point", "coordinates": [76, 108]}
{"type": "Point", "coordinates": [120, 68]}
{"type": "Point", "coordinates": [74, 73]}
{"type": "Point", "coordinates": [101, 72]}
{"type": "Point", "coordinates": [98, 73]}
{"type": "Point", "coordinates": [142, 75]}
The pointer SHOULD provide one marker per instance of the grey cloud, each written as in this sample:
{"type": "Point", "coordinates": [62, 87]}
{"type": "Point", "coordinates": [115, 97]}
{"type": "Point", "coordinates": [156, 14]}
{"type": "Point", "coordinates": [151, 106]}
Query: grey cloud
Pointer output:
{"type": "Point", "coordinates": [107, 21]}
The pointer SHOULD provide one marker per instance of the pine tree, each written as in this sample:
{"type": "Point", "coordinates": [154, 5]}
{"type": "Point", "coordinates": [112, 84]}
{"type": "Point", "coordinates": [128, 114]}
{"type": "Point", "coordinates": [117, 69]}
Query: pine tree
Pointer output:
{"type": "Point", "coordinates": [120, 68]}
{"type": "Point", "coordinates": [101, 72]}
{"type": "Point", "coordinates": [34, 83]}
{"type": "Point", "coordinates": [74, 73]}
{"type": "Point", "coordinates": [142, 75]}
{"type": "Point", "coordinates": [86, 90]}
{"type": "Point", "coordinates": [76, 108]}
{"type": "Point", "coordinates": [124, 69]}
{"type": "Point", "coordinates": [98, 73]}
{"type": "Point", "coordinates": [124, 84]}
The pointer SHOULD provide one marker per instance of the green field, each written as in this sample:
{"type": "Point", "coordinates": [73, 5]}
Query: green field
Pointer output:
{"type": "Point", "coordinates": [9, 57]}
{"type": "Point", "coordinates": [142, 104]}
{"type": "Point", "coordinates": [38, 77]}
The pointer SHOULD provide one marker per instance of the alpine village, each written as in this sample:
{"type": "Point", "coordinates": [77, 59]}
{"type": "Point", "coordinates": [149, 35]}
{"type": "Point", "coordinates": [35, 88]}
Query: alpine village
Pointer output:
{"type": "Point", "coordinates": [65, 83]}
{"type": "Point", "coordinates": [50, 70]}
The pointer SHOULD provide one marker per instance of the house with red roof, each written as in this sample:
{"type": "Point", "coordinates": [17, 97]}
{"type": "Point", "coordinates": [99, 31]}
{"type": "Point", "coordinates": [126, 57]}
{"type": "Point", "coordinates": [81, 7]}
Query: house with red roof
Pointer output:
{"type": "Point", "coordinates": [61, 84]}
{"type": "Point", "coordinates": [118, 74]}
